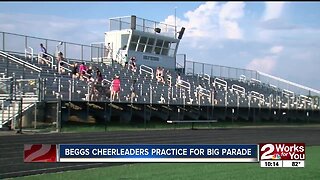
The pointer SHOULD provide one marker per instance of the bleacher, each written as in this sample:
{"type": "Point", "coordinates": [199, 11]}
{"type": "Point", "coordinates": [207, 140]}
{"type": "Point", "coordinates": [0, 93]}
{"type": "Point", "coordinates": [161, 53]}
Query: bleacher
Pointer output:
{"type": "Point", "coordinates": [222, 97]}
{"type": "Point", "coordinates": [229, 92]}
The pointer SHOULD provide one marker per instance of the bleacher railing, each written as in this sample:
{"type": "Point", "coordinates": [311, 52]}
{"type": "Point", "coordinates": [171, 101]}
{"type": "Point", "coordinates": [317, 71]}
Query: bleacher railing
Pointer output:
{"type": "Point", "coordinates": [194, 68]}
{"type": "Point", "coordinates": [145, 25]}
{"type": "Point", "coordinates": [49, 61]}
{"type": "Point", "coordinates": [29, 54]}
{"type": "Point", "coordinates": [21, 62]}
{"type": "Point", "coordinates": [18, 43]}
{"type": "Point", "coordinates": [146, 69]}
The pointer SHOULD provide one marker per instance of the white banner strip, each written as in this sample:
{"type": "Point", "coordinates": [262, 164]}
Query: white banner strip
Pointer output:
{"type": "Point", "coordinates": [158, 160]}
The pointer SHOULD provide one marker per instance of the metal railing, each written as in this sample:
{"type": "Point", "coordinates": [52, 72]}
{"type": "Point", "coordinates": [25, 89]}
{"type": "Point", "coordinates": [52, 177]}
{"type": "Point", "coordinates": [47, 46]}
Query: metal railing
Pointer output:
{"type": "Point", "coordinates": [18, 43]}
{"type": "Point", "coordinates": [20, 61]}
{"type": "Point", "coordinates": [194, 68]}
{"type": "Point", "coordinates": [146, 69]}
{"type": "Point", "coordinates": [221, 82]}
{"type": "Point", "coordinates": [49, 61]}
{"type": "Point", "coordinates": [124, 22]}
{"type": "Point", "coordinates": [29, 54]}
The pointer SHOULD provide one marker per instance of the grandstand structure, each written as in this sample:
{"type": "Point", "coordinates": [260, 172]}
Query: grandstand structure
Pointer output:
{"type": "Point", "coordinates": [38, 92]}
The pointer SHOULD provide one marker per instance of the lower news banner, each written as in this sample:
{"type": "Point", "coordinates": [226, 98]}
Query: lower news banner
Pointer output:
{"type": "Point", "coordinates": [157, 153]}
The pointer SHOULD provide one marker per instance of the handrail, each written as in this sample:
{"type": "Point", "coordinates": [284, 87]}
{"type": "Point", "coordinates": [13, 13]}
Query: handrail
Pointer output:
{"type": "Point", "coordinates": [20, 61]}
{"type": "Point", "coordinates": [221, 82]}
{"type": "Point", "coordinates": [145, 70]}
{"type": "Point", "coordinates": [206, 77]}
{"type": "Point", "coordinates": [255, 80]}
{"type": "Point", "coordinates": [64, 62]}
{"type": "Point", "coordinates": [273, 86]}
{"type": "Point", "coordinates": [26, 52]}
{"type": "Point", "coordinates": [203, 91]}
{"type": "Point", "coordinates": [5, 79]}
{"type": "Point", "coordinates": [44, 59]}
{"type": "Point", "coordinates": [237, 88]}
{"type": "Point", "coordinates": [106, 81]}
{"type": "Point", "coordinates": [287, 92]}
{"type": "Point", "coordinates": [305, 98]}
{"type": "Point", "coordinates": [243, 78]}
{"type": "Point", "coordinates": [291, 83]}
{"type": "Point", "coordinates": [187, 86]}
{"type": "Point", "coordinates": [257, 95]}
{"type": "Point", "coordinates": [67, 69]}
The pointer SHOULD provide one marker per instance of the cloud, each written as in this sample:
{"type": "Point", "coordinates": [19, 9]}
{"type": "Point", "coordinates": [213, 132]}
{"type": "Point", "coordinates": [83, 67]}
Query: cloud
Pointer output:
{"type": "Point", "coordinates": [276, 49]}
{"type": "Point", "coordinates": [277, 24]}
{"type": "Point", "coordinates": [212, 20]}
{"type": "Point", "coordinates": [273, 10]}
{"type": "Point", "coordinates": [230, 12]}
{"type": "Point", "coordinates": [265, 64]}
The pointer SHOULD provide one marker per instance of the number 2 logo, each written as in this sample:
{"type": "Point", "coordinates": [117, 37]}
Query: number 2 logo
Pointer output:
{"type": "Point", "coordinates": [267, 154]}
{"type": "Point", "coordinates": [43, 152]}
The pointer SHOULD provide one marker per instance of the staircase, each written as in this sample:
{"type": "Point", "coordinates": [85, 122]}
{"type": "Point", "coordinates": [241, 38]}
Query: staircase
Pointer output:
{"type": "Point", "coordinates": [11, 109]}
{"type": "Point", "coordinates": [15, 98]}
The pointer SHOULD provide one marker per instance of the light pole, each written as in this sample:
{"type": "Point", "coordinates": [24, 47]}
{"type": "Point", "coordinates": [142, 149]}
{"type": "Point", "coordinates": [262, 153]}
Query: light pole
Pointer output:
{"type": "Point", "coordinates": [175, 22]}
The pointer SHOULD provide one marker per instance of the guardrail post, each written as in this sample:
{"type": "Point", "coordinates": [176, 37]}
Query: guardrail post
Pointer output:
{"type": "Point", "coordinates": [58, 119]}
{"type": "Point", "coordinates": [39, 89]}
{"type": "Point", "coordinates": [35, 115]}
{"type": "Point", "coordinates": [3, 41]}
{"type": "Point", "coordinates": [193, 68]}
{"type": "Point", "coordinates": [81, 52]}
{"type": "Point", "coordinates": [20, 116]}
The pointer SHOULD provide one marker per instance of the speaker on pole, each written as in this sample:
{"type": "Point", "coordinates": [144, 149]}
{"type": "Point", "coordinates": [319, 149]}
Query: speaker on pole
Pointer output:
{"type": "Point", "coordinates": [181, 33]}
{"type": "Point", "coordinates": [157, 30]}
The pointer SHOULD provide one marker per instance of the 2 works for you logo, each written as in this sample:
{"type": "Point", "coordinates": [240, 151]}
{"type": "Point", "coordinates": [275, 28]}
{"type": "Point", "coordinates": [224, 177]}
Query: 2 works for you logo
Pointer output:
{"type": "Point", "coordinates": [40, 153]}
{"type": "Point", "coordinates": [282, 151]}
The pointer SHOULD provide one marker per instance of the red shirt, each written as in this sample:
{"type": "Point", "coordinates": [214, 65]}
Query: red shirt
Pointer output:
{"type": "Point", "coordinates": [116, 85]}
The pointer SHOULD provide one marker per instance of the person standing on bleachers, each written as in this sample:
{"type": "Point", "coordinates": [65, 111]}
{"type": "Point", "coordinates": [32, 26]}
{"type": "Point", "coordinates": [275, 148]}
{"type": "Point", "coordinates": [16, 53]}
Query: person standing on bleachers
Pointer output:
{"type": "Point", "coordinates": [99, 77]}
{"type": "Point", "coordinates": [133, 90]}
{"type": "Point", "coordinates": [126, 61]}
{"type": "Point", "coordinates": [160, 75]}
{"type": "Point", "coordinates": [75, 71]}
{"type": "Point", "coordinates": [43, 52]}
{"type": "Point", "coordinates": [82, 70]}
{"type": "Point", "coordinates": [178, 81]}
{"type": "Point", "coordinates": [108, 51]}
{"type": "Point", "coordinates": [115, 88]}
{"type": "Point", "coordinates": [214, 95]}
{"type": "Point", "coordinates": [60, 62]}
{"type": "Point", "coordinates": [89, 73]}
{"type": "Point", "coordinates": [133, 66]}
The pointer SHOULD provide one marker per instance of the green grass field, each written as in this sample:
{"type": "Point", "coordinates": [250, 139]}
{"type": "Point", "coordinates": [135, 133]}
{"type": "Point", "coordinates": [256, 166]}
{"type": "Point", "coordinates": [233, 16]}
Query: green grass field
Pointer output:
{"type": "Point", "coordinates": [195, 171]}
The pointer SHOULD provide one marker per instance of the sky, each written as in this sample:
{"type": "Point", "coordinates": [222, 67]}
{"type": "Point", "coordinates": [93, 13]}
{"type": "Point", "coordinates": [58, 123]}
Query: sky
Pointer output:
{"type": "Point", "coordinates": [278, 38]}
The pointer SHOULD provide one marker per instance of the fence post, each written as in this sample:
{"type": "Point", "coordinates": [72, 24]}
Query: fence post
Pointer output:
{"type": "Point", "coordinates": [58, 119]}
{"type": "Point", "coordinates": [81, 52]}
{"type": "Point", "coordinates": [20, 117]}
{"type": "Point", "coordinates": [3, 41]}
{"type": "Point", "coordinates": [26, 42]}
{"type": "Point", "coordinates": [38, 89]}
{"type": "Point", "coordinates": [65, 49]}
{"type": "Point", "coordinates": [35, 115]}
{"type": "Point", "coordinates": [193, 68]}
{"type": "Point", "coordinates": [184, 63]}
